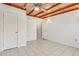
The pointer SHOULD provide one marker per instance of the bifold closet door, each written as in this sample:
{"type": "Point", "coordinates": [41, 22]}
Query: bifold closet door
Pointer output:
{"type": "Point", "coordinates": [22, 30]}
{"type": "Point", "coordinates": [1, 30]}
{"type": "Point", "coordinates": [10, 30]}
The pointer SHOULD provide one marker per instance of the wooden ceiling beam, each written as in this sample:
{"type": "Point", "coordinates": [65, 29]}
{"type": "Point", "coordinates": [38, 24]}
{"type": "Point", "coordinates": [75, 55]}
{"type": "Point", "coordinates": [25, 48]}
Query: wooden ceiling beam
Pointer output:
{"type": "Point", "coordinates": [35, 16]}
{"type": "Point", "coordinates": [61, 12]}
{"type": "Point", "coordinates": [47, 9]}
{"type": "Point", "coordinates": [25, 6]}
{"type": "Point", "coordinates": [7, 3]}
{"type": "Point", "coordinates": [30, 11]}
{"type": "Point", "coordinates": [58, 10]}
{"type": "Point", "coordinates": [10, 4]}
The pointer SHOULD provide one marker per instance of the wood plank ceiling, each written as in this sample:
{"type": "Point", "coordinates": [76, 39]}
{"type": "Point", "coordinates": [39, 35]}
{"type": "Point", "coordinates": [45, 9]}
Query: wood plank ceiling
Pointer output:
{"type": "Point", "coordinates": [52, 9]}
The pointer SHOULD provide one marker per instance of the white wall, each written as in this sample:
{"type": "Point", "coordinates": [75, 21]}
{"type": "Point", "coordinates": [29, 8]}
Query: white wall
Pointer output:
{"type": "Point", "coordinates": [64, 29]}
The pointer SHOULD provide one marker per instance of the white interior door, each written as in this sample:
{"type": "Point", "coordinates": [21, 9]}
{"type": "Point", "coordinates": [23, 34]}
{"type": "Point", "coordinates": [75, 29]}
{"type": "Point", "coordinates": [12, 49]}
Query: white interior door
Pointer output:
{"type": "Point", "coordinates": [32, 30]}
{"type": "Point", "coordinates": [1, 30]}
{"type": "Point", "coordinates": [22, 30]}
{"type": "Point", "coordinates": [10, 30]}
{"type": "Point", "coordinates": [39, 30]}
{"type": "Point", "coordinates": [44, 31]}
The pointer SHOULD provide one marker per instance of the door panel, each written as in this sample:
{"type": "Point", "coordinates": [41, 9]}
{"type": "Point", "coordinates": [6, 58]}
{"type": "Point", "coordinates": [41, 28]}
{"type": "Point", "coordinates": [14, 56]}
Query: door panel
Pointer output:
{"type": "Point", "coordinates": [32, 30]}
{"type": "Point", "coordinates": [44, 31]}
{"type": "Point", "coordinates": [10, 30]}
{"type": "Point", "coordinates": [1, 30]}
{"type": "Point", "coordinates": [22, 31]}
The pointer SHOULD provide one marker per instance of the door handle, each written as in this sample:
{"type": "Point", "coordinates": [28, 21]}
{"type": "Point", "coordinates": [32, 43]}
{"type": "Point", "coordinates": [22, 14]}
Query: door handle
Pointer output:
{"type": "Point", "coordinates": [16, 32]}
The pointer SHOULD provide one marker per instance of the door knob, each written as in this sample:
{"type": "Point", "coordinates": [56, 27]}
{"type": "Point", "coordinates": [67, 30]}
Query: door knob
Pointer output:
{"type": "Point", "coordinates": [16, 32]}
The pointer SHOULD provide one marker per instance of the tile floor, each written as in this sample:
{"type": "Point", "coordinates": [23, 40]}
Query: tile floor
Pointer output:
{"type": "Point", "coordinates": [42, 48]}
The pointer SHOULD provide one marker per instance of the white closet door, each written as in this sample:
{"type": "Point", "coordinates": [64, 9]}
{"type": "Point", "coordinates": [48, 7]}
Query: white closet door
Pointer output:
{"type": "Point", "coordinates": [1, 30]}
{"type": "Point", "coordinates": [10, 30]}
{"type": "Point", "coordinates": [22, 30]}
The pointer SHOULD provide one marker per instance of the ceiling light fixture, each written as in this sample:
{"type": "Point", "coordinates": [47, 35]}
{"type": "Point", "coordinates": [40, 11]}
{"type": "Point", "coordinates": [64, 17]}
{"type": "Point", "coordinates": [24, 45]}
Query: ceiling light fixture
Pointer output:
{"type": "Point", "coordinates": [49, 20]}
{"type": "Point", "coordinates": [38, 6]}
{"type": "Point", "coordinates": [36, 9]}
